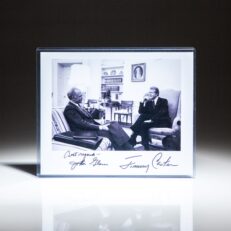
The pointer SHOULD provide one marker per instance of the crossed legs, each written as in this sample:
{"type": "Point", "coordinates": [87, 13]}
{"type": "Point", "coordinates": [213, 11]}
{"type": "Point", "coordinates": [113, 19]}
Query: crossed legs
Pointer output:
{"type": "Point", "coordinates": [140, 127]}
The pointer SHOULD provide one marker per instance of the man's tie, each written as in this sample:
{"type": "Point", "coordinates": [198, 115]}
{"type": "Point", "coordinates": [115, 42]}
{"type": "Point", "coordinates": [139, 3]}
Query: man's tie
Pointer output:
{"type": "Point", "coordinates": [154, 104]}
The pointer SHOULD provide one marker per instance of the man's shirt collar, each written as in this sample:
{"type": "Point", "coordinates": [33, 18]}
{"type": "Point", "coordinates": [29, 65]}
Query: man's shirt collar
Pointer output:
{"type": "Point", "coordinates": [155, 100]}
{"type": "Point", "coordinates": [76, 104]}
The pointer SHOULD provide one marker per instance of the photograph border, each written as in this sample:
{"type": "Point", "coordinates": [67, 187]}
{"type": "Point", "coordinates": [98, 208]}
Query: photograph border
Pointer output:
{"type": "Point", "coordinates": [99, 49]}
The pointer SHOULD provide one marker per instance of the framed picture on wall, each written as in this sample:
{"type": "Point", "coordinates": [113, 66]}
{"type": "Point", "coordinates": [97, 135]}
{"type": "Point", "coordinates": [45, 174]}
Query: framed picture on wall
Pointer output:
{"type": "Point", "coordinates": [138, 72]}
{"type": "Point", "coordinates": [140, 129]}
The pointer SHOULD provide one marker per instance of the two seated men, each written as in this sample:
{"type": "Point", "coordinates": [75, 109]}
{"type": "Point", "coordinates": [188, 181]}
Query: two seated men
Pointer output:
{"type": "Point", "coordinates": [152, 108]}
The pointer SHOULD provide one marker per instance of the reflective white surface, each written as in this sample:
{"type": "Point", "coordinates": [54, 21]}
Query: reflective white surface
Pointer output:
{"type": "Point", "coordinates": [117, 204]}
{"type": "Point", "coordinates": [31, 203]}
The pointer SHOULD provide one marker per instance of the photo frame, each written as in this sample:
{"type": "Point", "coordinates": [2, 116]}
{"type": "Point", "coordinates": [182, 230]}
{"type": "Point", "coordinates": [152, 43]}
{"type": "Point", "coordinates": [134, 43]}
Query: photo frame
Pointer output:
{"type": "Point", "coordinates": [77, 146]}
{"type": "Point", "coordinates": [138, 72]}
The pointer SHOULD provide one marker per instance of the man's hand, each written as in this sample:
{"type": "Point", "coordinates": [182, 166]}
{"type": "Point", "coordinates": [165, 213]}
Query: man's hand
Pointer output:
{"type": "Point", "coordinates": [147, 97]}
{"type": "Point", "coordinates": [103, 127]}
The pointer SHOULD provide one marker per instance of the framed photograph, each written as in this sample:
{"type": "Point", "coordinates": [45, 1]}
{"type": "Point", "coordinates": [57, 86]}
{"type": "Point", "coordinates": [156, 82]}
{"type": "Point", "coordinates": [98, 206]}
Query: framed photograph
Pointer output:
{"type": "Point", "coordinates": [92, 124]}
{"type": "Point", "coordinates": [138, 72]}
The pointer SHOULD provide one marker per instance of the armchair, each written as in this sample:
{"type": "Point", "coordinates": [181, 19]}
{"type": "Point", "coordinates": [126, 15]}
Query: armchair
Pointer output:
{"type": "Point", "coordinates": [157, 135]}
{"type": "Point", "coordinates": [60, 125]}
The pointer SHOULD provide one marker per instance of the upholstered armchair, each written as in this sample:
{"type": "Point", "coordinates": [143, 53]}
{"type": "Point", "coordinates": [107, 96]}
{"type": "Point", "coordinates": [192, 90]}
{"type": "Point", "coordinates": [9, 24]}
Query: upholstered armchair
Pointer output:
{"type": "Point", "coordinates": [60, 125]}
{"type": "Point", "coordinates": [174, 105]}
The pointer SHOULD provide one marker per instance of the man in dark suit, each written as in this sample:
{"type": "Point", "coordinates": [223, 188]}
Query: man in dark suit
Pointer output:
{"type": "Point", "coordinates": [79, 118]}
{"type": "Point", "coordinates": [154, 109]}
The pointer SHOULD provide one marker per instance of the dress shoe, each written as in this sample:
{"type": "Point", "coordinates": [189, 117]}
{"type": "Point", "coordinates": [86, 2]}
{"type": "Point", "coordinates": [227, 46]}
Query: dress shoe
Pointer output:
{"type": "Point", "coordinates": [132, 142]}
{"type": "Point", "coordinates": [132, 139]}
{"type": "Point", "coordinates": [127, 146]}
{"type": "Point", "coordinates": [146, 147]}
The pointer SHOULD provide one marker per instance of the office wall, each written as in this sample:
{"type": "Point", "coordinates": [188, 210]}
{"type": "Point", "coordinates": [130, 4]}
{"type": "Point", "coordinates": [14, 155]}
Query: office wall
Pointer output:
{"type": "Point", "coordinates": [85, 74]}
{"type": "Point", "coordinates": [160, 73]}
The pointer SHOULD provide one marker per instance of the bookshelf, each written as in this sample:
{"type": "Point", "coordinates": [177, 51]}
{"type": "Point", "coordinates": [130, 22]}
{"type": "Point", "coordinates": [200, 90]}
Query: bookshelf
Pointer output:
{"type": "Point", "coordinates": [112, 80]}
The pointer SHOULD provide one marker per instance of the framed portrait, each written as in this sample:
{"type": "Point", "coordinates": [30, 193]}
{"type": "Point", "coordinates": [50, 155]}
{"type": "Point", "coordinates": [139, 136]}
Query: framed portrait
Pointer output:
{"type": "Point", "coordinates": [138, 72]}
{"type": "Point", "coordinates": [94, 124]}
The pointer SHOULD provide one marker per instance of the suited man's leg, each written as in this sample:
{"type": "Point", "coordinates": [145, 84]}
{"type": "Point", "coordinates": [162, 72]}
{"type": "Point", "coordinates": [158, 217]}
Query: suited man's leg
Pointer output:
{"type": "Point", "coordinates": [145, 134]}
{"type": "Point", "coordinates": [107, 135]}
{"type": "Point", "coordinates": [139, 122]}
{"type": "Point", "coordinates": [116, 145]}
{"type": "Point", "coordinates": [137, 126]}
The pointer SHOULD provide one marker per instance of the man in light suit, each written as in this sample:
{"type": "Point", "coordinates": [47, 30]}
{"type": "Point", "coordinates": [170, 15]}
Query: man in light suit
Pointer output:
{"type": "Point", "coordinates": [79, 118]}
{"type": "Point", "coordinates": [155, 109]}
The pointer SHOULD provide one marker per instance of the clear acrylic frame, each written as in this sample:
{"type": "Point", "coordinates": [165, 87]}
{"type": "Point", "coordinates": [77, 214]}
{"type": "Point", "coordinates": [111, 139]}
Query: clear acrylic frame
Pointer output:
{"type": "Point", "coordinates": [97, 71]}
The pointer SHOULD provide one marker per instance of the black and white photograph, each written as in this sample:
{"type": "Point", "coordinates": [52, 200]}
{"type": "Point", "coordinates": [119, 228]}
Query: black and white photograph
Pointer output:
{"type": "Point", "coordinates": [102, 123]}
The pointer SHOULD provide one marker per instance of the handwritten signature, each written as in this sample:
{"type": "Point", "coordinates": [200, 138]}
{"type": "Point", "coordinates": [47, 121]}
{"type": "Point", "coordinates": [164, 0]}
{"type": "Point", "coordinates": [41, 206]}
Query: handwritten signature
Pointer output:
{"type": "Point", "coordinates": [157, 162]}
{"type": "Point", "coordinates": [87, 160]}
{"type": "Point", "coordinates": [134, 161]}
{"type": "Point", "coordinates": [132, 164]}
{"type": "Point", "coordinates": [74, 164]}
{"type": "Point", "coordinates": [69, 154]}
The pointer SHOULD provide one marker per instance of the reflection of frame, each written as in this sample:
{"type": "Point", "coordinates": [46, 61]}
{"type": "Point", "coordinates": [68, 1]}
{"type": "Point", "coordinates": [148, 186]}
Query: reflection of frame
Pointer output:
{"type": "Point", "coordinates": [138, 72]}
{"type": "Point", "coordinates": [155, 207]}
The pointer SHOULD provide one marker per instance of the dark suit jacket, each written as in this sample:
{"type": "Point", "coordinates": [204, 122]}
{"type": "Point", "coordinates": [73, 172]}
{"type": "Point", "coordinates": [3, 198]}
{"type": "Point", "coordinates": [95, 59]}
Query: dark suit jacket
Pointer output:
{"type": "Point", "coordinates": [158, 114]}
{"type": "Point", "coordinates": [79, 118]}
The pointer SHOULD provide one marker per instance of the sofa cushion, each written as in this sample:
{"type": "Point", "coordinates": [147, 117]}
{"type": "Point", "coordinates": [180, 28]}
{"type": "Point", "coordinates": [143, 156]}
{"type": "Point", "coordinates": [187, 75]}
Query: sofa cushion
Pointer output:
{"type": "Point", "coordinates": [70, 138]}
{"type": "Point", "coordinates": [161, 131]}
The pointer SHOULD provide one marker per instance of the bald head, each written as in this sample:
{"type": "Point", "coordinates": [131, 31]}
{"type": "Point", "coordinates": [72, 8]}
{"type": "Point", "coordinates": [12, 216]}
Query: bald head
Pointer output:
{"type": "Point", "coordinates": [75, 95]}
